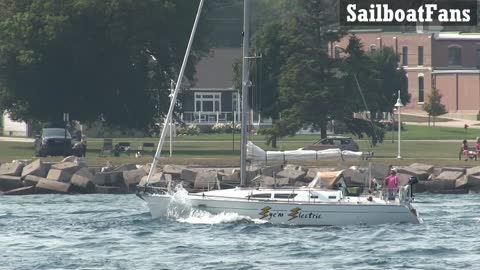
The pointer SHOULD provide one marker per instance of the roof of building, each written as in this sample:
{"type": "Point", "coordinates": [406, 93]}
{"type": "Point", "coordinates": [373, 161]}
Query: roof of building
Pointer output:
{"type": "Point", "coordinates": [215, 71]}
{"type": "Point", "coordinates": [457, 36]}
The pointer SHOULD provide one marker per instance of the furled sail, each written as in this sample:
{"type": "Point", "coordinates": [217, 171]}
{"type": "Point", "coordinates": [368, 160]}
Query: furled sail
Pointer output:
{"type": "Point", "coordinates": [256, 153]}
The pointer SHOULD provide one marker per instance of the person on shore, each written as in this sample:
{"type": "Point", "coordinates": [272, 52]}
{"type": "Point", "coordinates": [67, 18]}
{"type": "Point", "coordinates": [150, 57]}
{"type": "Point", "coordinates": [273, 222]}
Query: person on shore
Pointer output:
{"type": "Point", "coordinates": [391, 182]}
{"type": "Point", "coordinates": [83, 141]}
{"type": "Point", "coordinates": [464, 149]}
{"type": "Point", "coordinates": [477, 147]}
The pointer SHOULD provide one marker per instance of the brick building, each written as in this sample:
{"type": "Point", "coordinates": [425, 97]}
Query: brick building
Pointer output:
{"type": "Point", "coordinates": [448, 61]}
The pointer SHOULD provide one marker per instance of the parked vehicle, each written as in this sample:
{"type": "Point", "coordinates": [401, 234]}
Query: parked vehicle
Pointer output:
{"type": "Point", "coordinates": [51, 142]}
{"type": "Point", "coordinates": [344, 143]}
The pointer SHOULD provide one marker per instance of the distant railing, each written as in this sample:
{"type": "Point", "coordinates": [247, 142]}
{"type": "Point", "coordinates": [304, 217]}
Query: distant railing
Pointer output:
{"type": "Point", "coordinates": [210, 117]}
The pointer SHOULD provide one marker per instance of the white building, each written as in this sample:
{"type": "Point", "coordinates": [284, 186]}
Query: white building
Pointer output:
{"type": "Point", "coordinates": [13, 128]}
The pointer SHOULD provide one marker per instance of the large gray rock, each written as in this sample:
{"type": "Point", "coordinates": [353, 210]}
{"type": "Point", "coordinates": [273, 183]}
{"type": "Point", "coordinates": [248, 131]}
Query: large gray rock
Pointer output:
{"type": "Point", "coordinates": [82, 181]}
{"type": "Point", "coordinates": [269, 182]}
{"type": "Point", "coordinates": [109, 179]}
{"type": "Point", "coordinates": [311, 173]}
{"type": "Point", "coordinates": [380, 171]}
{"type": "Point", "coordinates": [420, 187]}
{"type": "Point", "coordinates": [80, 161]}
{"type": "Point", "coordinates": [473, 171]}
{"type": "Point", "coordinates": [157, 180]}
{"type": "Point", "coordinates": [469, 181]}
{"type": "Point", "coordinates": [449, 175]}
{"type": "Point", "coordinates": [59, 175]}
{"type": "Point", "coordinates": [12, 169]}
{"type": "Point", "coordinates": [69, 167]}
{"type": "Point", "coordinates": [233, 177]}
{"type": "Point", "coordinates": [8, 182]}
{"type": "Point", "coordinates": [295, 167]}
{"type": "Point", "coordinates": [174, 170]}
{"type": "Point", "coordinates": [49, 186]}
{"type": "Point", "coordinates": [31, 180]}
{"type": "Point", "coordinates": [439, 186]}
{"type": "Point", "coordinates": [36, 168]}
{"type": "Point", "coordinates": [132, 178]}
{"type": "Point", "coordinates": [271, 170]}
{"type": "Point", "coordinates": [355, 176]}
{"type": "Point", "coordinates": [20, 191]}
{"type": "Point", "coordinates": [420, 174]}
{"type": "Point", "coordinates": [292, 175]}
{"type": "Point", "coordinates": [453, 169]}
{"type": "Point", "coordinates": [125, 167]}
{"type": "Point", "coordinates": [422, 167]}
{"type": "Point", "coordinates": [188, 175]}
{"type": "Point", "coordinates": [205, 180]}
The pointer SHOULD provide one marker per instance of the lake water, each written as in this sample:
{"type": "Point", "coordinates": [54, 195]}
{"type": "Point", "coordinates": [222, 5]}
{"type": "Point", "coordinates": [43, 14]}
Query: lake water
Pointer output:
{"type": "Point", "coordinates": [117, 232]}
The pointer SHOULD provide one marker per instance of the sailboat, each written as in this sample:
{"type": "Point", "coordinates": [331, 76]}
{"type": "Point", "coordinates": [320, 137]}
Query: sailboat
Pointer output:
{"type": "Point", "coordinates": [325, 201]}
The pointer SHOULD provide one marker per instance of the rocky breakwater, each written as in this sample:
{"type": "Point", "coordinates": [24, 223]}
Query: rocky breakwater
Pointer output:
{"type": "Point", "coordinates": [73, 176]}
{"type": "Point", "coordinates": [444, 180]}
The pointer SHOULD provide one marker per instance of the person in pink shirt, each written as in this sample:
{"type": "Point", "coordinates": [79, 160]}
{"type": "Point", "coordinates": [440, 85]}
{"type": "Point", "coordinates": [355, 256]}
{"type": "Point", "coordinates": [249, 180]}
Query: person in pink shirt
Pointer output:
{"type": "Point", "coordinates": [392, 184]}
{"type": "Point", "coordinates": [477, 146]}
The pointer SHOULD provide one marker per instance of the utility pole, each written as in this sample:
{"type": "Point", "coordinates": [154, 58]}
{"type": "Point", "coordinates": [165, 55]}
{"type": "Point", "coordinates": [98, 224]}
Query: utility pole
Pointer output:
{"type": "Point", "coordinates": [66, 118]}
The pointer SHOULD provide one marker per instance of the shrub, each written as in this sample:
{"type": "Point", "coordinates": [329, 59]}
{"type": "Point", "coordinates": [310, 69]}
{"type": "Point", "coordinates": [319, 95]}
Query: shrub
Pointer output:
{"type": "Point", "coordinates": [226, 128]}
{"type": "Point", "coordinates": [188, 130]}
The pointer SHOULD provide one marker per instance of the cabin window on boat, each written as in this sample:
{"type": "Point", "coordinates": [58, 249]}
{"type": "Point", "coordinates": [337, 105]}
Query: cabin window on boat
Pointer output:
{"type": "Point", "coordinates": [285, 196]}
{"type": "Point", "coordinates": [262, 195]}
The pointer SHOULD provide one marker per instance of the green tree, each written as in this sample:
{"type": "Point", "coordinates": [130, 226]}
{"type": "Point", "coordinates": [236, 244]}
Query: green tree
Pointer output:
{"type": "Point", "coordinates": [111, 58]}
{"type": "Point", "coordinates": [376, 76]}
{"type": "Point", "coordinates": [434, 106]}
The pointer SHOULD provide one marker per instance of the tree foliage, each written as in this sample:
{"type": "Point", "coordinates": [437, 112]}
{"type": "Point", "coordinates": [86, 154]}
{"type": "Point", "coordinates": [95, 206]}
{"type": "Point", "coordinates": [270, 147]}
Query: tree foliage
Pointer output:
{"type": "Point", "coordinates": [109, 58]}
{"type": "Point", "coordinates": [434, 106]}
{"type": "Point", "coordinates": [306, 87]}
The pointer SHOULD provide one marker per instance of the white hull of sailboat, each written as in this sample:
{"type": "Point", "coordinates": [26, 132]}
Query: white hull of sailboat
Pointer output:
{"type": "Point", "coordinates": [293, 213]}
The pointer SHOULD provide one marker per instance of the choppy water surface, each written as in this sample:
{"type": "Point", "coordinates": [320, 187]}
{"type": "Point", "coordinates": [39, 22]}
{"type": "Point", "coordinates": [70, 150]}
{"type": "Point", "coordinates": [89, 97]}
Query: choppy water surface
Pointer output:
{"type": "Point", "coordinates": [117, 232]}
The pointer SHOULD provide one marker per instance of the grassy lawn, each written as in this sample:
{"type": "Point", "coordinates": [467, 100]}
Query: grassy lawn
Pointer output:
{"type": "Point", "coordinates": [435, 133]}
{"type": "Point", "coordinates": [421, 119]}
{"type": "Point", "coordinates": [220, 150]}
{"type": "Point", "coordinates": [223, 153]}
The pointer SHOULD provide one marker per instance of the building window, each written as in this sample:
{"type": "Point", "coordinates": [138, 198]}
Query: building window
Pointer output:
{"type": "Point", "coordinates": [454, 56]}
{"type": "Point", "coordinates": [207, 102]}
{"type": "Point", "coordinates": [421, 89]}
{"type": "Point", "coordinates": [234, 101]}
{"type": "Point", "coordinates": [338, 50]}
{"type": "Point", "coordinates": [420, 55]}
{"type": "Point", "coordinates": [478, 58]}
{"type": "Point", "coordinates": [373, 48]}
{"type": "Point", "coordinates": [405, 56]}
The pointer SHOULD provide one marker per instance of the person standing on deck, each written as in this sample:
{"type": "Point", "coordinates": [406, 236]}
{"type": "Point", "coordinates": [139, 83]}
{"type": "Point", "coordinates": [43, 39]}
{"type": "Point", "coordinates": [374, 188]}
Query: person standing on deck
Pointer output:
{"type": "Point", "coordinates": [392, 184]}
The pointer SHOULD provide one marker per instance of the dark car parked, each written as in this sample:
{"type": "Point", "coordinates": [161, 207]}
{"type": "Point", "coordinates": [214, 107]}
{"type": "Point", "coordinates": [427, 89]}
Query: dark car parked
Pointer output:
{"type": "Point", "coordinates": [344, 143]}
{"type": "Point", "coordinates": [52, 143]}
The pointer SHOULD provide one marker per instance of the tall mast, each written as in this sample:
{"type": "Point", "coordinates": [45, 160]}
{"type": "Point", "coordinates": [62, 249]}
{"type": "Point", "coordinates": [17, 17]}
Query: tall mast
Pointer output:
{"type": "Point", "coordinates": [174, 96]}
{"type": "Point", "coordinates": [245, 85]}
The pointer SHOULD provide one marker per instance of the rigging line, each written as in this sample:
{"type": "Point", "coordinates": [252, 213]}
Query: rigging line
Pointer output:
{"type": "Point", "coordinates": [366, 107]}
